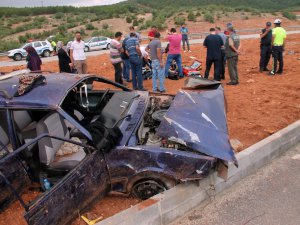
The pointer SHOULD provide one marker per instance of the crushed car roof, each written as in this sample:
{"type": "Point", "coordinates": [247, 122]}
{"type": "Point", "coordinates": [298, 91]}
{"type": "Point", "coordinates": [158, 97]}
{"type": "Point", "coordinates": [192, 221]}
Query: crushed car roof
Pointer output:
{"type": "Point", "coordinates": [49, 95]}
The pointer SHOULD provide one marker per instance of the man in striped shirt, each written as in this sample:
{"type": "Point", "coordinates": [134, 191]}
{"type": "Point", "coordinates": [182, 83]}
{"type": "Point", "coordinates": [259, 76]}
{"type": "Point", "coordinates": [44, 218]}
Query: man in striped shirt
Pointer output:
{"type": "Point", "coordinates": [115, 56]}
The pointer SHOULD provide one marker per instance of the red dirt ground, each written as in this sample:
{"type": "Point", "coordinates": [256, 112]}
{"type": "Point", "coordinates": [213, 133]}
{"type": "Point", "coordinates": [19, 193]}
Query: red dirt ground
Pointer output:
{"type": "Point", "coordinates": [257, 108]}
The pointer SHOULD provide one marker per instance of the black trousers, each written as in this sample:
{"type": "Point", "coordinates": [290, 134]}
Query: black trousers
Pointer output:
{"type": "Point", "coordinates": [217, 65]}
{"type": "Point", "coordinates": [265, 55]}
{"type": "Point", "coordinates": [277, 53]}
{"type": "Point", "coordinates": [223, 63]}
{"type": "Point", "coordinates": [118, 72]}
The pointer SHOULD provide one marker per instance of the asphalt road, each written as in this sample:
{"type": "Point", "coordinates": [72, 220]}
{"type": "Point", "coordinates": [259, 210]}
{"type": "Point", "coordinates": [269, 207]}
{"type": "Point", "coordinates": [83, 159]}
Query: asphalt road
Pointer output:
{"type": "Point", "coordinates": [11, 62]}
{"type": "Point", "coordinates": [269, 197]}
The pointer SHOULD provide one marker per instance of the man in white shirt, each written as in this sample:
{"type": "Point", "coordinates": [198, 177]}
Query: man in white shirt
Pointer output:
{"type": "Point", "coordinates": [77, 54]}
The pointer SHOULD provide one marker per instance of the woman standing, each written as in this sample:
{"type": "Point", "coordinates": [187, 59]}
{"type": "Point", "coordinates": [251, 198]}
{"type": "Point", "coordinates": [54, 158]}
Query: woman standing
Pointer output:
{"type": "Point", "coordinates": [33, 59]}
{"type": "Point", "coordinates": [63, 58]}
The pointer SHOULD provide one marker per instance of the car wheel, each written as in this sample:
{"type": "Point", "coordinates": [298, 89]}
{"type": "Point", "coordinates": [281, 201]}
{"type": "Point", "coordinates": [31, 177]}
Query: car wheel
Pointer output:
{"type": "Point", "coordinates": [46, 53]}
{"type": "Point", "coordinates": [108, 46]}
{"type": "Point", "coordinates": [147, 188]}
{"type": "Point", "coordinates": [17, 57]}
{"type": "Point", "coordinates": [86, 49]}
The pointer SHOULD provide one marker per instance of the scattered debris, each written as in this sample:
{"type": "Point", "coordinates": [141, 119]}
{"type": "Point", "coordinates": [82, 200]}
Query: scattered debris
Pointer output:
{"type": "Point", "coordinates": [250, 81]}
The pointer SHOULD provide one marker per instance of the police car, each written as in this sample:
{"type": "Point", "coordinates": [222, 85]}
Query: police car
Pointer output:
{"type": "Point", "coordinates": [97, 43]}
{"type": "Point", "coordinates": [43, 48]}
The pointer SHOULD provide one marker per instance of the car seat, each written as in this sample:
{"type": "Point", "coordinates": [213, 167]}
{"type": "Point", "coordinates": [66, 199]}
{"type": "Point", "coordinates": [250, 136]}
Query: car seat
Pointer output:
{"type": "Point", "coordinates": [55, 125]}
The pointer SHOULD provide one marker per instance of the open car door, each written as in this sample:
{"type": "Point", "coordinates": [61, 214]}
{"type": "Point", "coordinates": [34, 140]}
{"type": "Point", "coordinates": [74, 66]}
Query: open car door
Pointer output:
{"type": "Point", "coordinates": [74, 192]}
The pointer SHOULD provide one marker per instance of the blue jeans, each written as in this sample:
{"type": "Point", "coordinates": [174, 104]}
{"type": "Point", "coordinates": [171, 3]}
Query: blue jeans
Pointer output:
{"type": "Point", "coordinates": [157, 72]}
{"type": "Point", "coordinates": [136, 68]}
{"type": "Point", "coordinates": [178, 60]}
{"type": "Point", "coordinates": [126, 69]}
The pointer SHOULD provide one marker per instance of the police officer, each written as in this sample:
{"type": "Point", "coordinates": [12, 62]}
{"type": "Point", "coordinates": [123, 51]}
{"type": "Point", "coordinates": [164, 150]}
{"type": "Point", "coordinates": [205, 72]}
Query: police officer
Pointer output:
{"type": "Point", "coordinates": [265, 47]}
{"type": "Point", "coordinates": [278, 41]}
{"type": "Point", "coordinates": [232, 51]}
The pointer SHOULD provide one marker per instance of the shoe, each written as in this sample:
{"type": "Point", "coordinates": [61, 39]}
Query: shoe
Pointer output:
{"type": "Point", "coordinates": [190, 51]}
{"type": "Point", "coordinates": [184, 51]}
{"type": "Point", "coordinates": [279, 72]}
{"type": "Point", "coordinates": [180, 77]}
{"type": "Point", "coordinates": [134, 88]}
{"type": "Point", "coordinates": [142, 89]}
{"type": "Point", "coordinates": [266, 69]}
{"type": "Point", "coordinates": [272, 73]}
{"type": "Point", "coordinates": [232, 83]}
{"type": "Point", "coordinates": [163, 91]}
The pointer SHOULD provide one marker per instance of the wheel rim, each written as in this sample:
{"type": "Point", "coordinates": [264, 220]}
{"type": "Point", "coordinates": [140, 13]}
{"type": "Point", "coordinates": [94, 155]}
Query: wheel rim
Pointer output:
{"type": "Point", "coordinates": [46, 54]}
{"type": "Point", "coordinates": [147, 189]}
{"type": "Point", "coordinates": [18, 57]}
{"type": "Point", "coordinates": [86, 49]}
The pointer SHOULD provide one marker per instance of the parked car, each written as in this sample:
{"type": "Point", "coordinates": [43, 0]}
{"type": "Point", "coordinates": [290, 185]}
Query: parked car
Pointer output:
{"type": "Point", "coordinates": [97, 43]}
{"type": "Point", "coordinates": [43, 48]}
{"type": "Point", "coordinates": [79, 143]}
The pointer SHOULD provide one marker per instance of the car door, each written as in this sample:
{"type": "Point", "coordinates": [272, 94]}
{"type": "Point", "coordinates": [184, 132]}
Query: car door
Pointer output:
{"type": "Point", "coordinates": [94, 43]}
{"type": "Point", "coordinates": [60, 204]}
{"type": "Point", "coordinates": [103, 42]}
{"type": "Point", "coordinates": [38, 47]}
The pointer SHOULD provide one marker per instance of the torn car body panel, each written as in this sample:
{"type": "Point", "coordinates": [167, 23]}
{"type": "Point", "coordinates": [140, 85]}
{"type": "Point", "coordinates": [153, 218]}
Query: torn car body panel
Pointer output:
{"type": "Point", "coordinates": [198, 120]}
{"type": "Point", "coordinates": [76, 191]}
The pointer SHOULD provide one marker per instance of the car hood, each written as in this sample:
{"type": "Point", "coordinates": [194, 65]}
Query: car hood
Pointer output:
{"type": "Point", "coordinates": [197, 119]}
{"type": "Point", "coordinates": [16, 50]}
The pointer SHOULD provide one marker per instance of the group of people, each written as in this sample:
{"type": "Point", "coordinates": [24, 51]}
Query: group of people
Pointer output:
{"type": "Point", "coordinates": [128, 57]}
{"type": "Point", "coordinates": [133, 56]}
{"type": "Point", "coordinates": [222, 47]}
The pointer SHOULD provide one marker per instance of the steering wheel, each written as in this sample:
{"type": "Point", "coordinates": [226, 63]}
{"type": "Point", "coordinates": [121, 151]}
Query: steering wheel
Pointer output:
{"type": "Point", "coordinates": [102, 98]}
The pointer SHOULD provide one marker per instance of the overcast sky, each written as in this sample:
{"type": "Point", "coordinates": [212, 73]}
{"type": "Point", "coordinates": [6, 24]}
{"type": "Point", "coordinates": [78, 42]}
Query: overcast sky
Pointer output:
{"type": "Point", "coordinates": [32, 3]}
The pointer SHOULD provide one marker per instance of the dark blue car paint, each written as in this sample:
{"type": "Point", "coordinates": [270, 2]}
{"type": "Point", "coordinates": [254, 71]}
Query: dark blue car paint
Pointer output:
{"type": "Point", "coordinates": [120, 168]}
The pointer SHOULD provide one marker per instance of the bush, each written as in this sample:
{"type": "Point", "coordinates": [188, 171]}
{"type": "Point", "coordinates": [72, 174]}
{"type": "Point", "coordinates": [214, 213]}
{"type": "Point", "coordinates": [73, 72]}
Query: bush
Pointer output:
{"type": "Point", "coordinates": [89, 26]}
{"type": "Point", "coordinates": [209, 18]}
{"type": "Point", "coordinates": [128, 19]}
{"type": "Point", "coordinates": [8, 45]}
{"type": "Point", "coordinates": [105, 26]}
{"type": "Point", "coordinates": [22, 39]}
{"type": "Point", "coordinates": [191, 17]}
{"type": "Point", "coordinates": [59, 15]}
{"type": "Point", "coordinates": [289, 15]}
{"type": "Point", "coordinates": [105, 33]}
{"type": "Point", "coordinates": [135, 23]}
{"type": "Point", "coordinates": [179, 20]}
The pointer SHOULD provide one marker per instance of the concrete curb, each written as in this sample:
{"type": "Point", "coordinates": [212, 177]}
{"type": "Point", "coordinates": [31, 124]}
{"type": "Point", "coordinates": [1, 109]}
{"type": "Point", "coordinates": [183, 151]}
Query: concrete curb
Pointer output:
{"type": "Point", "coordinates": [167, 207]}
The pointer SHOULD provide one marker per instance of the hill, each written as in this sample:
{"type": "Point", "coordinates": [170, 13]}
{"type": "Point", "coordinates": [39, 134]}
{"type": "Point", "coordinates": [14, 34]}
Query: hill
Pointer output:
{"type": "Point", "coordinates": [17, 25]}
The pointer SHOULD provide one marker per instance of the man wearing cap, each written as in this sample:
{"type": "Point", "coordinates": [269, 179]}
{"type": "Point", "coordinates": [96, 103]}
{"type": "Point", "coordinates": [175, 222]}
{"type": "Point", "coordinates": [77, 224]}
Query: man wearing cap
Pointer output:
{"type": "Point", "coordinates": [232, 51]}
{"type": "Point", "coordinates": [278, 41]}
{"type": "Point", "coordinates": [265, 47]}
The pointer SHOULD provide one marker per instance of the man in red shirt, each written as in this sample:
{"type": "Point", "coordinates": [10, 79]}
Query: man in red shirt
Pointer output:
{"type": "Point", "coordinates": [152, 32]}
{"type": "Point", "coordinates": [174, 51]}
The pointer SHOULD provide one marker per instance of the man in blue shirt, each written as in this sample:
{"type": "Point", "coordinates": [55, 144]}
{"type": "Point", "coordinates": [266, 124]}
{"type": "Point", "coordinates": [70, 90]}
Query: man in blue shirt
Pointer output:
{"type": "Point", "coordinates": [185, 39]}
{"type": "Point", "coordinates": [223, 58]}
{"type": "Point", "coordinates": [213, 43]}
{"type": "Point", "coordinates": [135, 58]}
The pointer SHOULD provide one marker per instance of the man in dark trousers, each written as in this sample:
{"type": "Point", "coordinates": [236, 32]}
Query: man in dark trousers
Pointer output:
{"type": "Point", "coordinates": [213, 43]}
{"type": "Point", "coordinates": [135, 57]}
{"type": "Point", "coordinates": [232, 51]}
{"type": "Point", "coordinates": [278, 42]}
{"type": "Point", "coordinates": [265, 47]}
{"type": "Point", "coordinates": [223, 58]}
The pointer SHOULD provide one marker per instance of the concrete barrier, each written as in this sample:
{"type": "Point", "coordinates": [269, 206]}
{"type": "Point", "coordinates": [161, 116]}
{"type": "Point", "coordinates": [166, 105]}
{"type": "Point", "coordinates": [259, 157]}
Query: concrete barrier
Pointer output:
{"type": "Point", "coordinates": [164, 208]}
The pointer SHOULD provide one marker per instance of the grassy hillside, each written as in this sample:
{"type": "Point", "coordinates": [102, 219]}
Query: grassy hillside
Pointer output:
{"type": "Point", "coordinates": [19, 24]}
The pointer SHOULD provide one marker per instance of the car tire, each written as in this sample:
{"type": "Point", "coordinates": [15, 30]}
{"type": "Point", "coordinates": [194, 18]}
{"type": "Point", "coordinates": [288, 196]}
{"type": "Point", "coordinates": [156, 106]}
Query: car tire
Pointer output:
{"type": "Point", "coordinates": [147, 188]}
{"type": "Point", "coordinates": [108, 46]}
{"type": "Point", "coordinates": [86, 49]}
{"type": "Point", "coordinates": [46, 53]}
{"type": "Point", "coordinates": [17, 57]}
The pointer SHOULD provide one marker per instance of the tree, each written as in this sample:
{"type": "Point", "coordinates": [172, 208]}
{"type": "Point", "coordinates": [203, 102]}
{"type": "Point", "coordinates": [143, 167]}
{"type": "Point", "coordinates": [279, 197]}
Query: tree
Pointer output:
{"type": "Point", "coordinates": [191, 16]}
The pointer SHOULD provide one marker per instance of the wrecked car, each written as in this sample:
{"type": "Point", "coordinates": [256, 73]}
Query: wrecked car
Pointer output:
{"type": "Point", "coordinates": [80, 137]}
